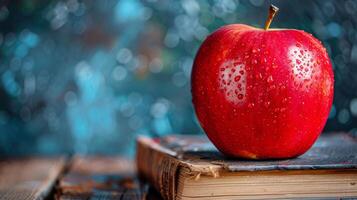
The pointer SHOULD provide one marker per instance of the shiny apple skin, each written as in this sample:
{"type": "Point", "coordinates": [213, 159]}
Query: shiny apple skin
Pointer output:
{"type": "Point", "coordinates": [262, 94]}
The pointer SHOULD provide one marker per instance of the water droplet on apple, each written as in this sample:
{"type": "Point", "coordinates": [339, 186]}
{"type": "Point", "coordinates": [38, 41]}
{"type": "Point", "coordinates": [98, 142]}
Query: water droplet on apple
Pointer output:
{"type": "Point", "coordinates": [250, 105]}
{"type": "Point", "coordinates": [302, 63]}
{"type": "Point", "coordinates": [267, 103]}
{"type": "Point", "coordinates": [233, 80]}
{"type": "Point", "coordinates": [270, 79]}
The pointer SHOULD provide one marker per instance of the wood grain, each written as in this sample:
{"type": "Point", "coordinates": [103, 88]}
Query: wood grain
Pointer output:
{"type": "Point", "coordinates": [29, 178]}
{"type": "Point", "coordinates": [100, 178]}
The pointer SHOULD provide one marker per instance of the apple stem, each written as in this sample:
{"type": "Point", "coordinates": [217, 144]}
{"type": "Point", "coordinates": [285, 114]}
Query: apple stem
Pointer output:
{"type": "Point", "coordinates": [272, 11]}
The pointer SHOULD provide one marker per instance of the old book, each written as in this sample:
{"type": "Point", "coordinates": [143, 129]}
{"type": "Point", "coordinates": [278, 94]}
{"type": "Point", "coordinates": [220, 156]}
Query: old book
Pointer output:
{"type": "Point", "coordinates": [189, 167]}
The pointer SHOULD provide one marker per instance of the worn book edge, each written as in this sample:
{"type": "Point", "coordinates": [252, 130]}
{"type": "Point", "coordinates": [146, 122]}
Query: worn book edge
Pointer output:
{"type": "Point", "coordinates": [163, 167]}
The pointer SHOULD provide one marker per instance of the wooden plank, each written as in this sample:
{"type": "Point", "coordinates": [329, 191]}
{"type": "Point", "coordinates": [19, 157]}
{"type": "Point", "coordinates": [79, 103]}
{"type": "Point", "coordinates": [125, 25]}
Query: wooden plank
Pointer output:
{"type": "Point", "coordinates": [30, 178]}
{"type": "Point", "coordinates": [100, 178]}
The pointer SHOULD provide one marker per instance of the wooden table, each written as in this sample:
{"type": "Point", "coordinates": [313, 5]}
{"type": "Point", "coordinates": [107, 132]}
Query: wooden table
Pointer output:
{"type": "Point", "coordinates": [72, 178]}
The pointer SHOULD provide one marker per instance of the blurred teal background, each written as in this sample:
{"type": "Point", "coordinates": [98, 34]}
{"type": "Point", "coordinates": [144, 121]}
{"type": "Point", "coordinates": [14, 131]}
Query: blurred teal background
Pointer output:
{"type": "Point", "coordinates": [89, 76]}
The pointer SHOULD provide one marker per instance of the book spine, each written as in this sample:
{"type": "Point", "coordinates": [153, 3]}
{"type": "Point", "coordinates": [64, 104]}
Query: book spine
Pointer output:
{"type": "Point", "coordinates": [159, 168]}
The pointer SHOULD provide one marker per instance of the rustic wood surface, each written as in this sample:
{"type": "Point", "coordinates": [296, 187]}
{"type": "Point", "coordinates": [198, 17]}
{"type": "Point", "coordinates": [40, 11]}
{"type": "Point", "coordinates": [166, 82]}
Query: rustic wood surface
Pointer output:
{"type": "Point", "coordinates": [108, 178]}
{"type": "Point", "coordinates": [78, 178]}
{"type": "Point", "coordinates": [29, 178]}
{"type": "Point", "coordinates": [100, 178]}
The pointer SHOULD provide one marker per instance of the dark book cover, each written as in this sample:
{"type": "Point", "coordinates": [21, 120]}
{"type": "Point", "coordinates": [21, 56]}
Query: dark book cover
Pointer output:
{"type": "Point", "coordinates": [331, 151]}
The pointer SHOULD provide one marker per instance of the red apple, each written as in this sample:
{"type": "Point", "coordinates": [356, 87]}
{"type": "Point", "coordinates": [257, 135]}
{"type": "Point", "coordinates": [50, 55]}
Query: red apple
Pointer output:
{"type": "Point", "coordinates": [262, 93]}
